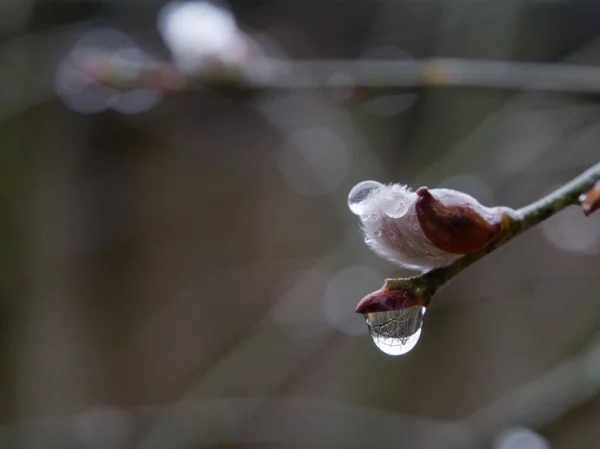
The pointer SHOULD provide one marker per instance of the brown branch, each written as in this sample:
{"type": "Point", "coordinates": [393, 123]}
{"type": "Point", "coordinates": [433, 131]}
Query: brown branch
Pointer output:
{"type": "Point", "coordinates": [574, 192]}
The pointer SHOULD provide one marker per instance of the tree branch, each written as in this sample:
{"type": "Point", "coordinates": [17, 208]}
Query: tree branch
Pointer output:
{"type": "Point", "coordinates": [572, 193]}
{"type": "Point", "coordinates": [269, 73]}
{"type": "Point", "coordinates": [431, 72]}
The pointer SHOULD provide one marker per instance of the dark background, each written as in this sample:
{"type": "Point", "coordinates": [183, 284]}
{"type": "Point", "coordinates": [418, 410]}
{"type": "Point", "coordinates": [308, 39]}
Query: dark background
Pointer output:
{"type": "Point", "coordinates": [186, 276]}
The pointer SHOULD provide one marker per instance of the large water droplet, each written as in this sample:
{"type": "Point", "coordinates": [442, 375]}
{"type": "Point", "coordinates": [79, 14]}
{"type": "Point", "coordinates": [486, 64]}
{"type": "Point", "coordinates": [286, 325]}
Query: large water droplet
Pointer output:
{"type": "Point", "coordinates": [359, 194]}
{"type": "Point", "coordinates": [395, 207]}
{"type": "Point", "coordinates": [396, 202]}
{"type": "Point", "coordinates": [396, 332]}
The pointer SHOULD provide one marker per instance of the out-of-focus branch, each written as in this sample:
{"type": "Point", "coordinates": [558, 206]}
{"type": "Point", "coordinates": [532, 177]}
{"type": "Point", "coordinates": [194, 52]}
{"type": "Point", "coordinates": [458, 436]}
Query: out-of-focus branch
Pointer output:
{"type": "Point", "coordinates": [434, 72]}
{"type": "Point", "coordinates": [267, 73]}
{"type": "Point", "coordinates": [574, 192]}
{"type": "Point", "coordinates": [542, 401]}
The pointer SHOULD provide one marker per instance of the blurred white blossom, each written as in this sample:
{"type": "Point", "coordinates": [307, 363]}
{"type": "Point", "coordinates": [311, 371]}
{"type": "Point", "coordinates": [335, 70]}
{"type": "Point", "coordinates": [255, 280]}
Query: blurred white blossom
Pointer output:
{"type": "Point", "coordinates": [201, 35]}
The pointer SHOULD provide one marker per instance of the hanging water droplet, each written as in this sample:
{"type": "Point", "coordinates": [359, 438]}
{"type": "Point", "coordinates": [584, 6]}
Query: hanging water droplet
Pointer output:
{"type": "Point", "coordinates": [396, 332]}
{"type": "Point", "coordinates": [378, 233]}
{"type": "Point", "coordinates": [359, 194]}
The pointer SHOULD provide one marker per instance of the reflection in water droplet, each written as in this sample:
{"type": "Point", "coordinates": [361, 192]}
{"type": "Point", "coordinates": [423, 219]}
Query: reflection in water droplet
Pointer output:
{"type": "Point", "coordinates": [396, 332]}
{"type": "Point", "coordinates": [359, 194]}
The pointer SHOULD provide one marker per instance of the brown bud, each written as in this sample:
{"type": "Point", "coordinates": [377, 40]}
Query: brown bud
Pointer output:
{"type": "Point", "coordinates": [384, 300]}
{"type": "Point", "coordinates": [456, 222]}
{"type": "Point", "coordinates": [590, 201]}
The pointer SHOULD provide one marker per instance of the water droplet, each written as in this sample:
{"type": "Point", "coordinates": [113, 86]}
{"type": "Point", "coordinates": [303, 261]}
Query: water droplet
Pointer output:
{"type": "Point", "coordinates": [378, 233]}
{"type": "Point", "coordinates": [359, 194]}
{"type": "Point", "coordinates": [395, 207]}
{"type": "Point", "coordinates": [396, 332]}
{"type": "Point", "coordinates": [368, 240]}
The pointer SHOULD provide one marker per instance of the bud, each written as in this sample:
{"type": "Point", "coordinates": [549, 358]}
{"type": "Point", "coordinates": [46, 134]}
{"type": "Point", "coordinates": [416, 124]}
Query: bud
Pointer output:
{"type": "Point", "coordinates": [423, 229]}
{"type": "Point", "coordinates": [590, 201]}
{"type": "Point", "coordinates": [394, 318]}
{"type": "Point", "coordinates": [385, 300]}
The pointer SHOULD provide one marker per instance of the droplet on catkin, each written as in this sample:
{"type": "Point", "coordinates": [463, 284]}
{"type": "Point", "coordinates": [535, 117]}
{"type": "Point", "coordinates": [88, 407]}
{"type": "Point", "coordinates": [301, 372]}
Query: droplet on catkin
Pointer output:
{"type": "Point", "coordinates": [357, 198]}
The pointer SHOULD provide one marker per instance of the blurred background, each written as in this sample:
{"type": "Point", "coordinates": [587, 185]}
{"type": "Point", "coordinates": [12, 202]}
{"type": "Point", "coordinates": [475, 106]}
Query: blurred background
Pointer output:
{"type": "Point", "coordinates": [179, 267]}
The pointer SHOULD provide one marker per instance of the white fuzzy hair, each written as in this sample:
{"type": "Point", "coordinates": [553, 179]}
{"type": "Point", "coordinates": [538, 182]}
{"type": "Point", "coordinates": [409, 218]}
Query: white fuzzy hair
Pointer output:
{"type": "Point", "coordinates": [391, 229]}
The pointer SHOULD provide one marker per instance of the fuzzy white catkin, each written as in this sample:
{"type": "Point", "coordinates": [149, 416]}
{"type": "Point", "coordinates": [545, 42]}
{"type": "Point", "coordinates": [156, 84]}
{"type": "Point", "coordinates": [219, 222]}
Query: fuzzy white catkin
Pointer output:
{"type": "Point", "coordinates": [392, 230]}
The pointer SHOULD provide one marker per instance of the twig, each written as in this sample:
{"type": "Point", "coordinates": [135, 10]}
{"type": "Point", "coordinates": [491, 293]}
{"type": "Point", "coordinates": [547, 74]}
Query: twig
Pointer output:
{"type": "Point", "coordinates": [433, 72]}
{"type": "Point", "coordinates": [427, 284]}
{"type": "Point", "coordinates": [268, 73]}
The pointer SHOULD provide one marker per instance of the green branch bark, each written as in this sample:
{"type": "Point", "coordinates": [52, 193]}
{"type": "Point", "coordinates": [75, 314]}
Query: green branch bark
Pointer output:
{"type": "Point", "coordinates": [520, 221]}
